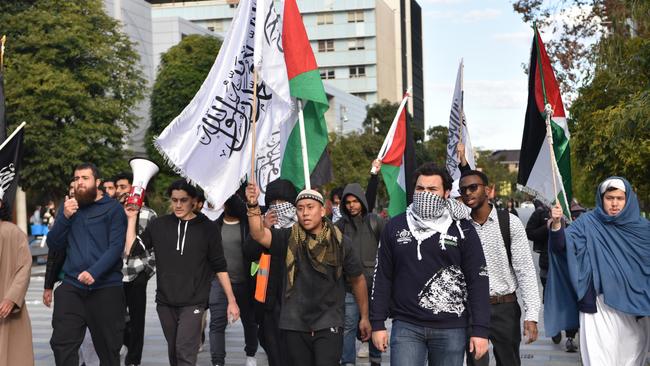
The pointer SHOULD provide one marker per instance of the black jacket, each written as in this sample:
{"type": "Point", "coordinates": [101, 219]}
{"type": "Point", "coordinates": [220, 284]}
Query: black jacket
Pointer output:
{"type": "Point", "coordinates": [537, 232]}
{"type": "Point", "coordinates": [185, 263]}
{"type": "Point", "coordinates": [364, 230]}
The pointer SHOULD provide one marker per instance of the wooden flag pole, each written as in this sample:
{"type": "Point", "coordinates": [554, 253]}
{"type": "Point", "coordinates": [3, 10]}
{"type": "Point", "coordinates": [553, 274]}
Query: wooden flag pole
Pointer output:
{"type": "Point", "coordinates": [254, 131]}
{"type": "Point", "coordinates": [12, 135]}
{"type": "Point", "coordinates": [462, 101]}
{"type": "Point", "coordinates": [303, 145]}
{"type": "Point", "coordinates": [3, 40]}
{"type": "Point", "coordinates": [391, 130]}
{"type": "Point", "coordinates": [549, 138]}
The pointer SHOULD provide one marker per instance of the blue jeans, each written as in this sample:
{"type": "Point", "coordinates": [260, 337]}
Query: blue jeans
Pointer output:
{"type": "Point", "coordinates": [412, 345]}
{"type": "Point", "coordinates": [350, 334]}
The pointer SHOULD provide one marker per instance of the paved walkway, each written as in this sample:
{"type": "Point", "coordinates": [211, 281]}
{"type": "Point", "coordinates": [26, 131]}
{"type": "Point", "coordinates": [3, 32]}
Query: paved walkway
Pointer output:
{"type": "Point", "coordinates": [542, 352]}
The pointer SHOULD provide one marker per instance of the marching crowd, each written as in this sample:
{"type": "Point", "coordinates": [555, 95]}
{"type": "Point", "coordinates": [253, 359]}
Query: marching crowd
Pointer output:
{"type": "Point", "coordinates": [451, 273]}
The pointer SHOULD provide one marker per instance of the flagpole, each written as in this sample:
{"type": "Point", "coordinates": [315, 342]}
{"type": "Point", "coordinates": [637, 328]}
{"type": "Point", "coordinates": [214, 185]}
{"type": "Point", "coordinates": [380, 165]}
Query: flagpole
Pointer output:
{"type": "Point", "coordinates": [254, 132]}
{"type": "Point", "coordinates": [303, 145]}
{"type": "Point", "coordinates": [549, 138]}
{"type": "Point", "coordinates": [462, 100]}
{"type": "Point", "coordinates": [2, 52]}
{"type": "Point", "coordinates": [12, 135]}
{"type": "Point", "coordinates": [393, 126]}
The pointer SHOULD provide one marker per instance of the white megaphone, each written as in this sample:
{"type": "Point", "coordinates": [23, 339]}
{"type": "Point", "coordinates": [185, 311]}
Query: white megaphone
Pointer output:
{"type": "Point", "coordinates": [143, 170]}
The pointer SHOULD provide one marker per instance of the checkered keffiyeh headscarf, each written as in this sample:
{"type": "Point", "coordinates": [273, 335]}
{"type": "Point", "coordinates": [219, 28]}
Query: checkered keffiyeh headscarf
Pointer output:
{"type": "Point", "coordinates": [286, 214]}
{"type": "Point", "coordinates": [430, 214]}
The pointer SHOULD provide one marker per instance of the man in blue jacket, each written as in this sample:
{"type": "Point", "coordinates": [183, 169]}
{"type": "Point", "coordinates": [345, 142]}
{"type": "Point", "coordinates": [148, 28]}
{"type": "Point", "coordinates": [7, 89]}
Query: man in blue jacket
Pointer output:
{"type": "Point", "coordinates": [91, 228]}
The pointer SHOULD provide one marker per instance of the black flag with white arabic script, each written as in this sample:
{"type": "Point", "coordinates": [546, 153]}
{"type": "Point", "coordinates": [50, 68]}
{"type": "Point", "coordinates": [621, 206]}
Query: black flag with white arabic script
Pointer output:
{"type": "Point", "coordinates": [10, 158]}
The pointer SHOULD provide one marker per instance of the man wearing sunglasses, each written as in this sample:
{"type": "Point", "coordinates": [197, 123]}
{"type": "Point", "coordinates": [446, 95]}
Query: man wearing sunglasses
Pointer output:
{"type": "Point", "coordinates": [508, 269]}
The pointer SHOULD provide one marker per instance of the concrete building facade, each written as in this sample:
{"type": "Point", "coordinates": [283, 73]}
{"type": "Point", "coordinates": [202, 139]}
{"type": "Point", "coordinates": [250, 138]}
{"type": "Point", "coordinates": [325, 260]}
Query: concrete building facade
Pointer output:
{"type": "Point", "coordinates": [362, 47]}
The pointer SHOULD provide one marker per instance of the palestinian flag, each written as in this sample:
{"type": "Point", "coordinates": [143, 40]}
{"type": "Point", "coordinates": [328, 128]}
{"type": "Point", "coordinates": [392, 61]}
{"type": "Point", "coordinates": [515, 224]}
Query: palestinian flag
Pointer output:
{"type": "Point", "coordinates": [305, 84]}
{"type": "Point", "coordinates": [535, 165]}
{"type": "Point", "coordinates": [397, 155]}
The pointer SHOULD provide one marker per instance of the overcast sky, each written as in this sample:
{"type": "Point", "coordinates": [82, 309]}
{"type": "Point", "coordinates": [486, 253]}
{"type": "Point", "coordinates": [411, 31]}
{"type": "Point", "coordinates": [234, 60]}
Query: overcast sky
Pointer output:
{"type": "Point", "coordinates": [494, 42]}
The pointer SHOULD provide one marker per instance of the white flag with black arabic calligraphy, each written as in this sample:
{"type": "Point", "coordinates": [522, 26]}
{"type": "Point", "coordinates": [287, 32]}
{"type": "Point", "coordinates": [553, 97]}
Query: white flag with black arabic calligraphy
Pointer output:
{"type": "Point", "coordinates": [210, 142]}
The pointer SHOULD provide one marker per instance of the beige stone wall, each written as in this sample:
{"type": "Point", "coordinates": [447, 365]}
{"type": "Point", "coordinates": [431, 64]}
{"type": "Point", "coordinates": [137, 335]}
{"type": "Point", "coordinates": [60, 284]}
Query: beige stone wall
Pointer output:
{"type": "Point", "coordinates": [389, 61]}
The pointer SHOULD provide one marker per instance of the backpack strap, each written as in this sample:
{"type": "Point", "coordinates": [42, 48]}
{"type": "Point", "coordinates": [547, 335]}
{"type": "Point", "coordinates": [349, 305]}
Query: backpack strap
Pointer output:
{"type": "Point", "coordinates": [504, 225]}
{"type": "Point", "coordinates": [373, 223]}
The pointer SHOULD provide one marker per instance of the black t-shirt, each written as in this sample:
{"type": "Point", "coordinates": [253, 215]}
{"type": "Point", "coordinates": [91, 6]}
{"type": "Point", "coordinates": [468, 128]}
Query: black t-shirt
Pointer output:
{"type": "Point", "coordinates": [317, 300]}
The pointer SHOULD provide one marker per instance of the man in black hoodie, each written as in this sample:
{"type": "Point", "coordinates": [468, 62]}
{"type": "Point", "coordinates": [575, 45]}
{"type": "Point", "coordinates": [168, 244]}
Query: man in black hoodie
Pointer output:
{"type": "Point", "coordinates": [188, 253]}
{"type": "Point", "coordinates": [364, 229]}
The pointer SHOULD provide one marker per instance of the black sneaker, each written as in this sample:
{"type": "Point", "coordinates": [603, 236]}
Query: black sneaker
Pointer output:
{"type": "Point", "coordinates": [557, 338]}
{"type": "Point", "coordinates": [571, 346]}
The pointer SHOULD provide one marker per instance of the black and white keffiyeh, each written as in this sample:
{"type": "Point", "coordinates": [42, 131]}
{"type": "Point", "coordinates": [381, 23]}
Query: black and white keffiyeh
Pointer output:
{"type": "Point", "coordinates": [430, 214]}
{"type": "Point", "coordinates": [286, 213]}
{"type": "Point", "coordinates": [336, 213]}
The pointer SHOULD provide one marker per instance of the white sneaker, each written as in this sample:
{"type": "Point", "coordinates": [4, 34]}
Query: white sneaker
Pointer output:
{"type": "Point", "coordinates": [251, 361]}
{"type": "Point", "coordinates": [363, 351]}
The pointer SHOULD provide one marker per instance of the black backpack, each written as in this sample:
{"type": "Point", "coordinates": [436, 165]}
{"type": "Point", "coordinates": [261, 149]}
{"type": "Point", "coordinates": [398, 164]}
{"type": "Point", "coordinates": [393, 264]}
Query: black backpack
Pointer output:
{"type": "Point", "coordinates": [503, 217]}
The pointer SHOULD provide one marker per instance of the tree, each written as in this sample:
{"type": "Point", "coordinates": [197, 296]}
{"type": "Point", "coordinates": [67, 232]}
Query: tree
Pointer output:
{"type": "Point", "coordinates": [435, 148]}
{"type": "Point", "coordinates": [352, 156]}
{"type": "Point", "coordinates": [610, 120]}
{"type": "Point", "coordinates": [380, 116]}
{"type": "Point", "coordinates": [182, 70]}
{"type": "Point", "coordinates": [575, 23]}
{"type": "Point", "coordinates": [72, 75]}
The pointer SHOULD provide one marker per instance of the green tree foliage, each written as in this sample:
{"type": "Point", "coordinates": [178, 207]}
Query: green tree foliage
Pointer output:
{"type": "Point", "coordinates": [182, 70]}
{"type": "Point", "coordinates": [352, 157]}
{"type": "Point", "coordinates": [381, 115]}
{"type": "Point", "coordinates": [72, 75]}
{"type": "Point", "coordinates": [610, 121]}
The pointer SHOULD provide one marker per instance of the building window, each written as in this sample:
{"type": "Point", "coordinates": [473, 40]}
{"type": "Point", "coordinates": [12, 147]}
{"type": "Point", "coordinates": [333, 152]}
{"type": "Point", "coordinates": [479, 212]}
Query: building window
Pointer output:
{"type": "Point", "coordinates": [211, 29]}
{"type": "Point", "coordinates": [325, 18]}
{"type": "Point", "coordinates": [357, 72]}
{"type": "Point", "coordinates": [326, 45]}
{"type": "Point", "coordinates": [355, 16]}
{"type": "Point", "coordinates": [356, 44]}
{"type": "Point", "coordinates": [360, 95]}
{"type": "Point", "coordinates": [327, 74]}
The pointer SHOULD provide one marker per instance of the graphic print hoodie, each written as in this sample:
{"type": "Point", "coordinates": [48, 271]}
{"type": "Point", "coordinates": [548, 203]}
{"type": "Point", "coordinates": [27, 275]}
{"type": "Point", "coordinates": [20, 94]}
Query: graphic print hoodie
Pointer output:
{"type": "Point", "coordinates": [441, 290]}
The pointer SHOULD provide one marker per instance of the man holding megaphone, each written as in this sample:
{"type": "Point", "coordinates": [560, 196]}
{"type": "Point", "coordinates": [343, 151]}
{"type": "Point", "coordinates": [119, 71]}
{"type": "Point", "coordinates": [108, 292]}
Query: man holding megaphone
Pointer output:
{"type": "Point", "coordinates": [139, 263]}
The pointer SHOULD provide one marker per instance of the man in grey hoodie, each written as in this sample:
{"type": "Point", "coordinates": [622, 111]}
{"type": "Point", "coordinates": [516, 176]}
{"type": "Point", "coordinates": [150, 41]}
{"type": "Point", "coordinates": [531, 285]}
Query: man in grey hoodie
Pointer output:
{"type": "Point", "coordinates": [364, 229]}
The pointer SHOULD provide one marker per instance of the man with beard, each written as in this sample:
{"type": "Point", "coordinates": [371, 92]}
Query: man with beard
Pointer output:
{"type": "Point", "coordinates": [91, 229]}
{"type": "Point", "coordinates": [139, 267]}
{"type": "Point", "coordinates": [108, 186]}
{"type": "Point", "coordinates": [364, 229]}
{"type": "Point", "coordinates": [316, 258]}
{"type": "Point", "coordinates": [279, 198]}
{"type": "Point", "coordinates": [430, 278]}
{"type": "Point", "coordinates": [510, 267]}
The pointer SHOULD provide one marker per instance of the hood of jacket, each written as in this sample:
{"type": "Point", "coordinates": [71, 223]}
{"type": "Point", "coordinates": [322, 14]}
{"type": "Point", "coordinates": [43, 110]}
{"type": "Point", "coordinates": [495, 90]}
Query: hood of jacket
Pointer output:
{"type": "Point", "coordinates": [355, 190]}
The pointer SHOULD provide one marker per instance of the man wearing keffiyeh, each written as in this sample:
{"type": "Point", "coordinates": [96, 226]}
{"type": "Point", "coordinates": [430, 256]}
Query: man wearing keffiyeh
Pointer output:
{"type": "Point", "coordinates": [430, 277]}
{"type": "Point", "coordinates": [317, 257]}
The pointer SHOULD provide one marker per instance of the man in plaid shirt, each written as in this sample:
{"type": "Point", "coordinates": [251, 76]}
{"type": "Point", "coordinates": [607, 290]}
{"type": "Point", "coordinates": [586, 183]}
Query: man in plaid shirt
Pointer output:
{"type": "Point", "coordinates": [139, 267]}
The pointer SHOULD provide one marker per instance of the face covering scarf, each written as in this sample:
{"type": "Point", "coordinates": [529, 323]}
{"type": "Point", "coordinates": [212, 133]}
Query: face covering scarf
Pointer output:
{"type": "Point", "coordinates": [286, 213]}
{"type": "Point", "coordinates": [430, 214]}
{"type": "Point", "coordinates": [336, 213]}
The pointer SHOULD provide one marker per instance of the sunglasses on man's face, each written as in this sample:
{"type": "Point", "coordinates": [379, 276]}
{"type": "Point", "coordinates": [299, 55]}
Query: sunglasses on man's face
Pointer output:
{"type": "Point", "coordinates": [471, 188]}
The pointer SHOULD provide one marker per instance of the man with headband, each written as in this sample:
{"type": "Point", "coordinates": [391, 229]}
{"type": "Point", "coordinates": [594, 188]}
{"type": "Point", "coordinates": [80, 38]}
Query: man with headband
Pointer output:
{"type": "Point", "coordinates": [316, 258]}
{"type": "Point", "coordinates": [599, 279]}
{"type": "Point", "coordinates": [510, 267]}
{"type": "Point", "coordinates": [431, 278]}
